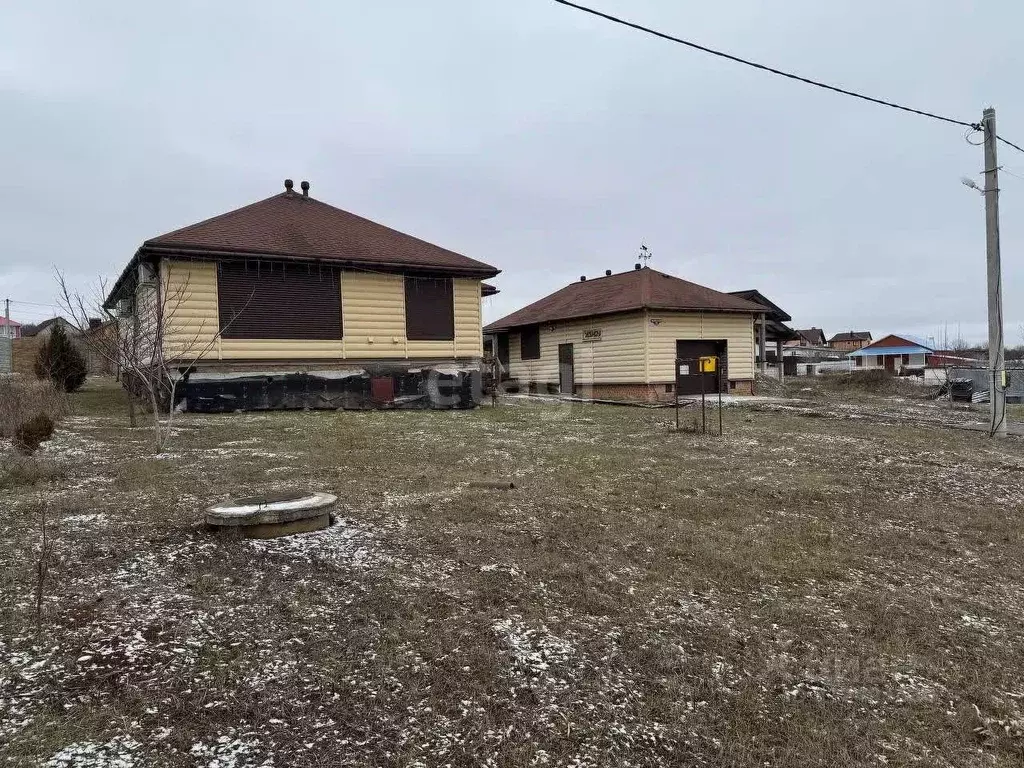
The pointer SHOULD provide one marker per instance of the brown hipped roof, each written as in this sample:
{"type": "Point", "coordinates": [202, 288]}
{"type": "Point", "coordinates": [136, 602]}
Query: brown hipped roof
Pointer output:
{"type": "Point", "coordinates": [625, 292]}
{"type": "Point", "coordinates": [297, 226]}
{"type": "Point", "coordinates": [291, 225]}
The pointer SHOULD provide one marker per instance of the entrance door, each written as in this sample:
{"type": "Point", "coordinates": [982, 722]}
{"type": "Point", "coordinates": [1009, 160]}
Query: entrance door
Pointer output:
{"type": "Point", "coordinates": [565, 369]}
{"type": "Point", "coordinates": [503, 350]}
{"type": "Point", "coordinates": [687, 349]}
{"type": "Point", "coordinates": [890, 363]}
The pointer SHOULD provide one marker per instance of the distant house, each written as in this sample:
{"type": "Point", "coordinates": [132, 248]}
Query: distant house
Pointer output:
{"type": "Point", "coordinates": [618, 337]}
{"type": "Point", "coordinates": [292, 303]}
{"type": "Point", "coordinates": [850, 340]}
{"type": "Point", "coordinates": [9, 329]}
{"type": "Point", "coordinates": [895, 354]}
{"type": "Point", "coordinates": [100, 336]}
{"type": "Point", "coordinates": [44, 328]}
{"type": "Point", "coordinates": [809, 337]}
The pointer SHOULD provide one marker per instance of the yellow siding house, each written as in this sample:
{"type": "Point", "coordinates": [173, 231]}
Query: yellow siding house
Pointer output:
{"type": "Point", "coordinates": [619, 337]}
{"type": "Point", "coordinates": [293, 303]}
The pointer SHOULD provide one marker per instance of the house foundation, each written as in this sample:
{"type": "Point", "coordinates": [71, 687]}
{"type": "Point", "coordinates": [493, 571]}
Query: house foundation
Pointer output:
{"type": "Point", "coordinates": [379, 386]}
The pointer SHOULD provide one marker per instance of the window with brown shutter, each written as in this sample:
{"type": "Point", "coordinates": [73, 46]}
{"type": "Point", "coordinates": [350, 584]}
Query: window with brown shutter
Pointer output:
{"type": "Point", "coordinates": [529, 342]}
{"type": "Point", "coordinates": [277, 300]}
{"type": "Point", "coordinates": [429, 309]}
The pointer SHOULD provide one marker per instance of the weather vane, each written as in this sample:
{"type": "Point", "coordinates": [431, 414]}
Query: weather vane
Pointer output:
{"type": "Point", "coordinates": [645, 253]}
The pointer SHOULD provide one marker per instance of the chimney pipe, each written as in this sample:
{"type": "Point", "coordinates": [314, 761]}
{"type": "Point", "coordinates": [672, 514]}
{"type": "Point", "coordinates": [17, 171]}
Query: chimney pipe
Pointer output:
{"type": "Point", "coordinates": [636, 266]}
{"type": "Point", "coordinates": [607, 273]}
{"type": "Point", "coordinates": [305, 188]}
{"type": "Point", "coordinates": [583, 278]}
{"type": "Point", "coordinates": [288, 184]}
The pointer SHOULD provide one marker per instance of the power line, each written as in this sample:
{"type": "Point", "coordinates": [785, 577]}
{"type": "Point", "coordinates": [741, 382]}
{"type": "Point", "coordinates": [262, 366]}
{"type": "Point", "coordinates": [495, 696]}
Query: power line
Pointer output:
{"type": "Point", "coordinates": [755, 65]}
{"type": "Point", "coordinates": [1007, 142]}
{"type": "Point", "coordinates": [34, 303]}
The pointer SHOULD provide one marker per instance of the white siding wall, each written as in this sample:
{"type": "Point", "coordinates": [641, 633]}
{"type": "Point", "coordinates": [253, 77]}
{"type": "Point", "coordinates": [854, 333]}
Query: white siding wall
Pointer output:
{"type": "Point", "coordinates": [877, 361]}
{"type": "Point", "coordinates": [638, 347]}
{"type": "Point", "coordinates": [666, 327]}
{"type": "Point", "coordinates": [618, 358]}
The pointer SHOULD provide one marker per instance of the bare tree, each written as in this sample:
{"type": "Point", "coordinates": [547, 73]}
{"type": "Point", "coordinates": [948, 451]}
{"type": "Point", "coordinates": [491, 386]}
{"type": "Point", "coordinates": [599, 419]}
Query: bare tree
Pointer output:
{"type": "Point", "coordinates": [150, 351]}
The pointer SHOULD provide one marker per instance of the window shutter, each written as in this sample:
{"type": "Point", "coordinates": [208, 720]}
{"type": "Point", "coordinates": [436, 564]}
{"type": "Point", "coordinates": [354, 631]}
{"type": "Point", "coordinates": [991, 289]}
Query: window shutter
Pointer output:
{"type": "Point", "coordinates": [429, 309]}
{"type": "Point", "coordinates": [278, 300]}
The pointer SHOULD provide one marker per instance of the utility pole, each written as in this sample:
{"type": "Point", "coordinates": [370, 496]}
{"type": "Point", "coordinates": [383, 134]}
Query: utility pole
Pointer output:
{"type": "Point", "coordinates": [7, 318]}
{"type": "Point", "coordinates": [996, 362]}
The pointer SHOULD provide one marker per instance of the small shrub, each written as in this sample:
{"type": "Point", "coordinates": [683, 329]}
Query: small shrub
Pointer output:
{"type": "Point", "coordinates": [31, 433]}
{"type": "Point", "coordinates": [21, 399]}
{"type": "Point", "coordinates": [60, 361]}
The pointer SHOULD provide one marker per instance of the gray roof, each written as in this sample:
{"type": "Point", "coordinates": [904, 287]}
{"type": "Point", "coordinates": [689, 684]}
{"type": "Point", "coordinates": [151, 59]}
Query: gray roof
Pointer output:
{"type": "Point", "coordinates": [852, 336]}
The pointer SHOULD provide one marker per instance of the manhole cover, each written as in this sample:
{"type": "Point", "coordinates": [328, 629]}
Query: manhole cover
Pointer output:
{"type": "Point", "coordinates": [280, 513]}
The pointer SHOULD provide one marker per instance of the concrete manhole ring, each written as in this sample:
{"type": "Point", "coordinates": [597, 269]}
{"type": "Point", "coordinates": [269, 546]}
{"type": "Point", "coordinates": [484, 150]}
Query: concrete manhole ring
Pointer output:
{"type": "Point", "coordinates": [274, 514]}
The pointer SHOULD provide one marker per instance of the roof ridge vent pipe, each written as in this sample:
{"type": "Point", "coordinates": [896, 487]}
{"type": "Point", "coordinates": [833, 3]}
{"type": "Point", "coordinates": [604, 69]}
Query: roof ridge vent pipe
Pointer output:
{"type": "Point", "coordinates": [305, 188]}
{"type": "Point", "coordinates": [583, 278]}
{"type": "Point", "coordinates": [607, 273]}
{"type": "Point", "coordinates": [636, 266]}
{"type": "Point", "coordinates": [288, 184]}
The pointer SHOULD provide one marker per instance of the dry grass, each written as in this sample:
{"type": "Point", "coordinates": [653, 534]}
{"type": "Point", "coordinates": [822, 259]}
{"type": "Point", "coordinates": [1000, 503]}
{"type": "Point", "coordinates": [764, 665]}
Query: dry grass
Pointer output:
{"type": "Point", "coordinates": [869, 382]}
{"type": "Point", "coordinates": [841, 590]}
{"type": "Point", "coordinates": [22, 398]}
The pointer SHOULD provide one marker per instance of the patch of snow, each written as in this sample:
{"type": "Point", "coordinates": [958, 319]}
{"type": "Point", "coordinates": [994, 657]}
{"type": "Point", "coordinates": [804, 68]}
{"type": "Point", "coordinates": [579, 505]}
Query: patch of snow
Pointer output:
{"type": "Point", "coordinates": [340, 544]}
{"type": "Point", "coordinates": [230, 752]}
{"type": "Point", "coordinates": [533, 650]}
{"type": "Point", "coordinates": [119, 752]}
{"type": "Point", "coordinates": [97, 517]}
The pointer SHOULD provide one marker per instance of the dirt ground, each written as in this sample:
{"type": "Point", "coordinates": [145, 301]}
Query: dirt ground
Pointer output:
{"type": "Point", "coordinates": [832, 583]}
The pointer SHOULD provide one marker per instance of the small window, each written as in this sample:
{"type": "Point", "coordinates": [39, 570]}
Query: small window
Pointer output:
{"type": "Point", "coordinates": [529, 343]}
{"type": "Point", "coordinates": [429, 309]}
{"type": "Point", "coordinates": [669, 387]}
{"type": "Point", "coordinates": [860, 361]}
{"type": "Point", "coordinates": [906, 359]}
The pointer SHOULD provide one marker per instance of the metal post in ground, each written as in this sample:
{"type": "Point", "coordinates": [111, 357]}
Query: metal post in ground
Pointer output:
{"type": "Point", "coordinates": [703, 411]}
{"type": "Point", "coordinates": [719, 368]}
{"type": "Point", "coordinates": [676, 388]}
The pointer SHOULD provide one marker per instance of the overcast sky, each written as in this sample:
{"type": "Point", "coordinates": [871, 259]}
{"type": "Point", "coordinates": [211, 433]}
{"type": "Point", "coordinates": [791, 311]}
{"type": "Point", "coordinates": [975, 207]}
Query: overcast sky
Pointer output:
{"type": "Point", "coordinates": [532, 137]}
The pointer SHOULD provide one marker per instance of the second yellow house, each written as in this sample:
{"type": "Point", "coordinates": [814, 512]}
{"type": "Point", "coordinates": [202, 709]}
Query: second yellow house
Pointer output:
{"type": "Point", "coordinates": [620, 337]}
